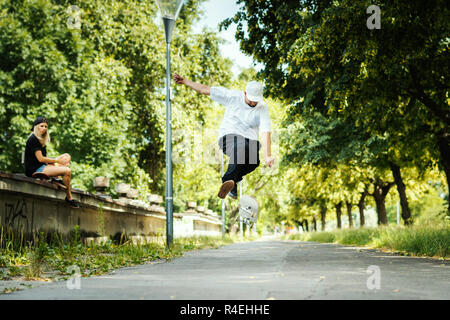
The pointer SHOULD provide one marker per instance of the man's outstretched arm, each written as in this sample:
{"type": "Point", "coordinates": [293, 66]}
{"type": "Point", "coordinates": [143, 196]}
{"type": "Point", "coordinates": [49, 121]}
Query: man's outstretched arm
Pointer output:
{"type": "Point", "coordinates": [267, 152]}
{"type": "Point", "coordinates": [201, 88]}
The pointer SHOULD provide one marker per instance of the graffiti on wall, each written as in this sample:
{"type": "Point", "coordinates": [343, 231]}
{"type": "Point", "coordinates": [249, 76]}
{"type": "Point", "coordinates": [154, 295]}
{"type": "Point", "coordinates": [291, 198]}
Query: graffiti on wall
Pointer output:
{"type": "Point", "coordinates": [15, 215]}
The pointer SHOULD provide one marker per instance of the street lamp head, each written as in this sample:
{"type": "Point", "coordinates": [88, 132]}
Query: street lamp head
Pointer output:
{"type": "Point", "coordinates": [169, 11]}
{"type": "Point", "coordinates": [170, 8]}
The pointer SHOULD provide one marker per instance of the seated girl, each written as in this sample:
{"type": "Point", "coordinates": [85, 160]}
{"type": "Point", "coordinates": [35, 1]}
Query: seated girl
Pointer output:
{"type": "Point", "coordinates": [36, 159]}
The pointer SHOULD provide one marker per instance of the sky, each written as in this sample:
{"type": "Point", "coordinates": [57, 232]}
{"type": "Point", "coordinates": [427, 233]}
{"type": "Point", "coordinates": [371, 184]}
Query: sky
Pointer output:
{"type": "Point", "coordinates": [215, 11]}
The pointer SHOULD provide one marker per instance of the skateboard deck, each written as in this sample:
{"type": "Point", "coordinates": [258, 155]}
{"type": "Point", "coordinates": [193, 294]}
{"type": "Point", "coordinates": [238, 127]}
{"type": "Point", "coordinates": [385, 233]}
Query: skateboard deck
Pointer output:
{"type": "Point", "coordinates": [248, 210]}
{"type": "Point", "coordinates": [40, 175]}
{"type": "Point", "coordinates": [43, 176]}
{"type": "Point", "coordinates": [59, 182]}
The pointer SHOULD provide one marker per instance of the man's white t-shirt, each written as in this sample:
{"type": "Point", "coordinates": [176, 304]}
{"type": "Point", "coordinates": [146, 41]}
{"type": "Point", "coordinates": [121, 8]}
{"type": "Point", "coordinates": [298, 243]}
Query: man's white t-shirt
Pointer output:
{"type": "Point", "coordinates": [239, 117]}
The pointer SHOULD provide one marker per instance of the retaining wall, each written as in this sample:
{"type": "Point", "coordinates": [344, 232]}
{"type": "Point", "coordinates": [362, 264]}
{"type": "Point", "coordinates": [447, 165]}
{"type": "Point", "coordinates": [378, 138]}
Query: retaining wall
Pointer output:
{"type": "Point", "coordinates": [31, 205]}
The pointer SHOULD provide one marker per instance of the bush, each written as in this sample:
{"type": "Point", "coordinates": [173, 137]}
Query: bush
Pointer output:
{"type": "Point", "coordinates": [422, 240]}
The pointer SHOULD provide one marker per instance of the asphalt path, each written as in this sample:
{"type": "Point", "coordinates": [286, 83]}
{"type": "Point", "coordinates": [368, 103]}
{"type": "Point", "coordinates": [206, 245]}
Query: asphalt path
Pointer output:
{"type": "Point", "coordinates": [263, 270]}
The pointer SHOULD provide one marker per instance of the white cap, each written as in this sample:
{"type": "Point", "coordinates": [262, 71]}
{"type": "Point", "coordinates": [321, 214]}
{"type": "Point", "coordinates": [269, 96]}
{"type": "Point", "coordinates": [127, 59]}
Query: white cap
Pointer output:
{"type": "Point", "coordinates": [254, 90]}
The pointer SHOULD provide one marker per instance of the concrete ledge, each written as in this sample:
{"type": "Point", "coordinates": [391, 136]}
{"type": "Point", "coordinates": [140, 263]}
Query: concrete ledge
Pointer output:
{"type": "Point", "coordinates": [28, 205]}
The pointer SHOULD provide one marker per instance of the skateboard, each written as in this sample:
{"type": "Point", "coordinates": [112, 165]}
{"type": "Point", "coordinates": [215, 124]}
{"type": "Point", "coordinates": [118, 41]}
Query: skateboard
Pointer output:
{"type": "Point", "coordinates": [43, 176]}
{"type": "Point", "coordinates": [40, 175]}
{"type": "Point", "coordinates": [248, 210]}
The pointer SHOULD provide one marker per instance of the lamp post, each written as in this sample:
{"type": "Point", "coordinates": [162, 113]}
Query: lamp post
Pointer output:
{"type": "Point", "coordinates": [223, 203]}
{"type": "Point", "coordinates": [241, 222]}
{"type": "Point", "coordinates": [169, 11]}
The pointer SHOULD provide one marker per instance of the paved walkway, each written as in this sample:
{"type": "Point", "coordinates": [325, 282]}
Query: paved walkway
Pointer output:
{"type": "Point", "coordinates": [265, 270]}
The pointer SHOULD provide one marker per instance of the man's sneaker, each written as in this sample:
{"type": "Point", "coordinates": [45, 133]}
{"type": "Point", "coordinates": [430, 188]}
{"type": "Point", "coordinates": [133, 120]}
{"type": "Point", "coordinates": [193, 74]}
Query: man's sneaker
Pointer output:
{"type": "Point", "coordinates": [72, 203]}
{"type": "Point", "coordinates": [233, 193]}
{"type": "Point", "coordinates": [226, 187]}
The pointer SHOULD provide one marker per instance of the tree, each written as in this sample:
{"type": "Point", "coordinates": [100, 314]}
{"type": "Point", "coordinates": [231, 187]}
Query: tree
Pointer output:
{"type": "Point", "coordinates": [392, 81]}
{"type": "Point", "coordinates": [100, 86]}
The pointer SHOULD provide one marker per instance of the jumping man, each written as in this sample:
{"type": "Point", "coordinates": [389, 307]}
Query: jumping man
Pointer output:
{"type": "Point", "coordinates": [245, 113]}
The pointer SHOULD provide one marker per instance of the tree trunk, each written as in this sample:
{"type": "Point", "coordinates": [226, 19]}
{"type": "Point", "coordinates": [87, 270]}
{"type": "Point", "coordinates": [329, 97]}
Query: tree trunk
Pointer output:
{"type": "Point", "coordinates": [338, 214]}
{"type": "Point", "coordinates": [323, 213]}
{"type": "Point", "coordinates": [406, 213]}
{"type": "Point", "coordinates": [379, 195]}
{"type": "Point", "coordinates": [381, 210]}
{"type": "Point", "coordinates": [302, 225]}
{"type": "Point", "coordinates": [361, 206]}
{"type": "Point", "coordinates": [314, 221]}
{"type": "Point", "coordinates": [349, 211]}
{"type": "Point", "coordinates": [444, 150]}
{"type": "Point", "coordinates": [306, 225]}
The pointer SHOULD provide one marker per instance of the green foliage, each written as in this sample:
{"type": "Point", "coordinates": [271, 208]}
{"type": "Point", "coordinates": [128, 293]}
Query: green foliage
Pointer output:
{"type": "Point", "coordinates": [100, 86]}
{"type": "Point", "coordinates": [349, 101]}
{"type": "Point", "coordinates": [359, 99]}
{"type": "Point", "coordinates": [429, 209]}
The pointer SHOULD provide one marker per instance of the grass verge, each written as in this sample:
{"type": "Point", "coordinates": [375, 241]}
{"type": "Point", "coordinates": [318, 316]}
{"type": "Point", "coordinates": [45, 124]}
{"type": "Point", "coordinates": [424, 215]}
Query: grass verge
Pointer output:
{"type": "Point", "coordinates": [421, 240]}
{"type": "Point", "coordinates": [46, 261]}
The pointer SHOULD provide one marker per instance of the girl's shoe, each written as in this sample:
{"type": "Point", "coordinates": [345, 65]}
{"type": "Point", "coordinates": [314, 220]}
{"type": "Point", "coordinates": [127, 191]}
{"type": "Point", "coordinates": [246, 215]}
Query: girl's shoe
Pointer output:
{"type": "Point", "coordinates": [72, 203]}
